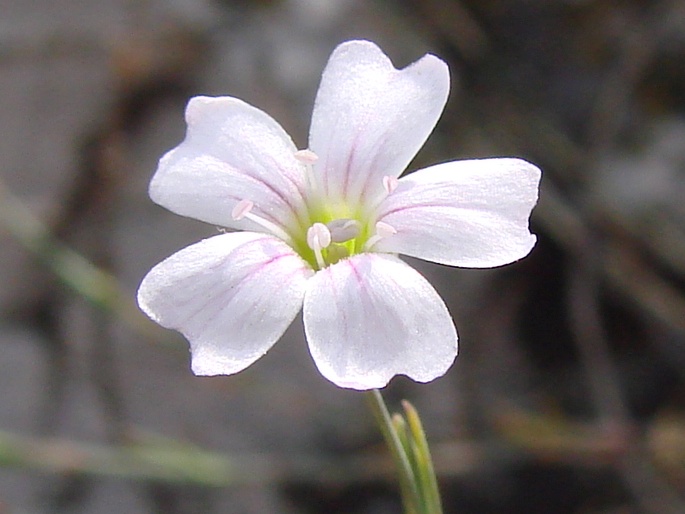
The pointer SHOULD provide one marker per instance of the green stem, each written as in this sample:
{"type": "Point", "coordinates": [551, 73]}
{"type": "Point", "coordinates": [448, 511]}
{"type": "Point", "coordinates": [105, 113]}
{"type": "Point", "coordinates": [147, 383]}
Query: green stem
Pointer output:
{"type": "Point", "coordinates": [408, 482]}
{"type": "Point", "coordinates": [424, 463]}
{"type": "Point", "coordinates": [409, 447]}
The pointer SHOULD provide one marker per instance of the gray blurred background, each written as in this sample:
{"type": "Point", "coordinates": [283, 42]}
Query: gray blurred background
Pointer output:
{"type": "Point", "coordinates": [569, 392]}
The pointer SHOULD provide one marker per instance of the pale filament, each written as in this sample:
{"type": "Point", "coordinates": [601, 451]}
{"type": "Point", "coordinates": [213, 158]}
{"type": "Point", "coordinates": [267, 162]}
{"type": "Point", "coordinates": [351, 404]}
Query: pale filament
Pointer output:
{"type": "Point", "coordinates": [383, 230]}
{"type": "Point", "coordinates": [243, 209]}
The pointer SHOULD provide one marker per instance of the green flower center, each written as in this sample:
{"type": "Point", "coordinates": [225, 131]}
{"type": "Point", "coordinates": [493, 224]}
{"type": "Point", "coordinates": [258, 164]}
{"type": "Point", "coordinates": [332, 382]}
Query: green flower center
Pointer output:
{"type": "Point", "coordinates": [337, 230]}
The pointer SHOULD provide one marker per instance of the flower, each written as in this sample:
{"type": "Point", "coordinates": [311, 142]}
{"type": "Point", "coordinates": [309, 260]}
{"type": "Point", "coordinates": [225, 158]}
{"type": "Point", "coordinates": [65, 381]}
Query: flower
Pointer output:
{"type": "Point", "coordinates": [320, 229]}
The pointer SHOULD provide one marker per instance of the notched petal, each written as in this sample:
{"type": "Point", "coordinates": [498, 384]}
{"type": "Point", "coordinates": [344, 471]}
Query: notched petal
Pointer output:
{"type": "Point", "coordinates": [232, 296]}
{"type": "Point", "coordinates": [370, 118]}
{"type": "Point", "coordinates": [371, 317]}
{"type": "Point", "coordinates": [232, 152]}
{"type": "Point", "coordinates": [472, 213]}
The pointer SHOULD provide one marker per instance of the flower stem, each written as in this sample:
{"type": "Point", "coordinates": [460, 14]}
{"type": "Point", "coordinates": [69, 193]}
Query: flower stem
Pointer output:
{"type": "Point", "coordinates": [408, 445]}
{"type": "Point", "coordinates": [423, 461]}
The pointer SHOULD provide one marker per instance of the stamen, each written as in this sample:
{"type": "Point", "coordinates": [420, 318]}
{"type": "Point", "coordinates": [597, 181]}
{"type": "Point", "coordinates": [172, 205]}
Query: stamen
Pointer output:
{"type": "Point", "coordinates": [243, 209]}
{"type": "Point", "coordinates": [390, 183]}
{"type": "Point", "coordinates": [318, 238]}
{"type": "Point", "coordinates": [383, 230]}
{"type": "Point", "coordinates": [306, 157]}
{"type": "Point", "coordinates": [343, 229]}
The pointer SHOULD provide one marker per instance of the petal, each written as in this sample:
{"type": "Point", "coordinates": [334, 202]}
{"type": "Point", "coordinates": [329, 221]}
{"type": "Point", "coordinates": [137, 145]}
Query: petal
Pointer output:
{"type": "Point", "coordinates": [370, 119]}
{"type": "Point", "coordinates": [471, 213]}
{"type": "Point", "coordinates": [232, 151]}
{"type": "Point", "coordinates": [370, 317]}
{"type": "Point", "coordinates": [232, 296]}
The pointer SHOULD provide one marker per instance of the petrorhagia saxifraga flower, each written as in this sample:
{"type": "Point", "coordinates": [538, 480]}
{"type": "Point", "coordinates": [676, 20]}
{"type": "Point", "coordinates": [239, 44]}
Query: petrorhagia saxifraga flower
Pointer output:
{"type": "Point", "coordinates": [320, 229]}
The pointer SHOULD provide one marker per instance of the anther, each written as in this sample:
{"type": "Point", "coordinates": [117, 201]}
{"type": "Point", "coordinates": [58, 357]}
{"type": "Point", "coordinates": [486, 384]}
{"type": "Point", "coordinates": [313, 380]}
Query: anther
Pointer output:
{"type": "Point", "coordinates": [306, 157]}
{"type": "Point", "coordinates": [343, 229]}
{"type": "Point", "coordinates": [390, 183]}
{"type": "Point", "coordinates": [318, 236]}
{"type": "Point", "coordinates": [383, 230]}
{"type": "Point", "coordinates": [243, 209]}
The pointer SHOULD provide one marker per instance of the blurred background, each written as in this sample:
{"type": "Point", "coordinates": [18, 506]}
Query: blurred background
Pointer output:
{"type": "Point", "coordinates": [569, 392]}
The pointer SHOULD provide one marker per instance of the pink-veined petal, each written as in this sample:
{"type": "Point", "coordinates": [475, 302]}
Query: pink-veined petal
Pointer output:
{"type": "Point", "coordinates": [232, 296]}
{"type": "Point", "coordinates": [472, 213]}
{"type": "Point", "coordinates": [370, 317]}
{"type": "Point", "coordinates": [232, 152]}
{"type": "Point", "coordinates": [370, 119]}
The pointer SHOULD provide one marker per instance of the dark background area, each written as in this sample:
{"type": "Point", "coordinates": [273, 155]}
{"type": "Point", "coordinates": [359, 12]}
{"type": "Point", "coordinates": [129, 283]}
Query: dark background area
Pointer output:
{"type": "Point", "coordinates": [568, 396]}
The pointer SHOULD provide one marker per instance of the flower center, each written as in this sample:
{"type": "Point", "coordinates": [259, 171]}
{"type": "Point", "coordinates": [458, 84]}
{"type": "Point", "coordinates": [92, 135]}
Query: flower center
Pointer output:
{"type": "Point", "coordinates": [342, 238]}
{"type": "Point", "coordinates": [337, 230]}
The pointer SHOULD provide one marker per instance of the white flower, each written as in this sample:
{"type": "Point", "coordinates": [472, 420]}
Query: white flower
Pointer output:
{"type": "Point", "coordinates": [320, 229]}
